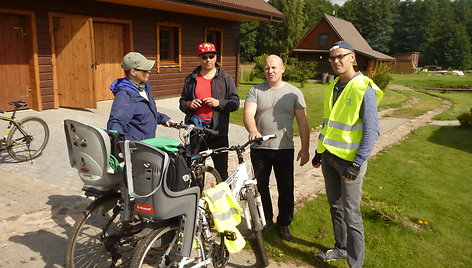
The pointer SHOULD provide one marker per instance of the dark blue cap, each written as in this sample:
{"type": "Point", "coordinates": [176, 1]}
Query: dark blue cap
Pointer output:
{"type": "Point", "coordinates": [341, 44]}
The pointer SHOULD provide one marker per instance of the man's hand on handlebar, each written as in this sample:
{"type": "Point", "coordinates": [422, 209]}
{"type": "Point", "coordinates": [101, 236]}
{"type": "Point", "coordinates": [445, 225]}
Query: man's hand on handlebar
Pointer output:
{"type": "Point", "coordinates": [254, 135]}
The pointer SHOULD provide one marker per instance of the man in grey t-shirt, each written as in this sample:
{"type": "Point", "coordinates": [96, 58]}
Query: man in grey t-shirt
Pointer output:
{"type": "Point", "coordinates": [269, 109]}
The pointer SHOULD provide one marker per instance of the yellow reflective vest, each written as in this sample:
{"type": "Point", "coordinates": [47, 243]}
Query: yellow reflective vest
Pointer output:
{"type": "Point", "coordinates": [226, 214]}
{"type": "Point", "coordinates": [341, 134]}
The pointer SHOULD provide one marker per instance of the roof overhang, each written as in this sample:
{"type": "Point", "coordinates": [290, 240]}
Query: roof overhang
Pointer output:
{"type": "Point", "coordinates": [225, 10]}
{"type": "Point", "coordinates": [368, 55]}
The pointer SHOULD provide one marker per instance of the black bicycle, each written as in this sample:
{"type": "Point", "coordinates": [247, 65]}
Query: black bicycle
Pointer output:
{"type": "Point", "coordinates": [24, 139]}
{"type": "Point", "coordinates": [203, 175]}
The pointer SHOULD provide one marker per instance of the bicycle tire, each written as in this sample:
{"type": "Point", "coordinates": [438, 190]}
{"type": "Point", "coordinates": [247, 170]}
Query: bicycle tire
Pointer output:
{"type": "Point", "coordinates": [96, 239]}
{"type": "Point", "coordinates": [151, 250]}
{"type": "Point", "coordinates": [257, 227]}
{"type": "Point", "coordinates": [206, 176]}
{"type": "Point", "coordinates": [26, 147]}
{"type": "Point", "coordinates": [154, 251]}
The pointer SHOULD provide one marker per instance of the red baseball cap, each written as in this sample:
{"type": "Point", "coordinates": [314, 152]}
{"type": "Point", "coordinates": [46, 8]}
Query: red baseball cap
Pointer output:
{"type": "Point", "coordinates": [206, 48]}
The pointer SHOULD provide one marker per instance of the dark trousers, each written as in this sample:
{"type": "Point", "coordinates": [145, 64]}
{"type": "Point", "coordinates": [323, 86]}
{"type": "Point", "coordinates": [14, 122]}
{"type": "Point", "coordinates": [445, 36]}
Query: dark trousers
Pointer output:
{"type": "Point", "coordinates": [263, 160]}
{"type": "Point", "coordinates": [220, 161]}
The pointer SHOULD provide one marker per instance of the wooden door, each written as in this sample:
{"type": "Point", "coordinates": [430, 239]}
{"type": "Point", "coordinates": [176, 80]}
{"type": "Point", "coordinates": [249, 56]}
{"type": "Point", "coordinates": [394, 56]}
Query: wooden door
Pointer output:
{"type": "Point", "coordinates": [73, 58]}
{"type": "Point", "coordinates": [16, 55]}
{"type": "Point", "coordinates": [109, 40]}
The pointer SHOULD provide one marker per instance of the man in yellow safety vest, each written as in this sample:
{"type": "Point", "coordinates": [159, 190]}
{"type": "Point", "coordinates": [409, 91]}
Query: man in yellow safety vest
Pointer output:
{"type": "Point", "coordinates": [350, 131]}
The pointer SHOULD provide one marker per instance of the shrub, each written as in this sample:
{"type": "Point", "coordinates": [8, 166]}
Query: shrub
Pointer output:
{"type": "Point", "coordinates": [258, 69]}
{"type": "Point", "coordinates": [465, 119]}
{"type": "Point", "coordinates": [383, 75]}
{"type": "Point", "coordinates": [295, 70]}
{"type": "Point", "coordinates": [299, 71]}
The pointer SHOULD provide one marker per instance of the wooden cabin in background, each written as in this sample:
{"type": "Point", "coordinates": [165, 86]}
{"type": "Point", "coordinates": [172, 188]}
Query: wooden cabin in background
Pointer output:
{"type": "Point", "coordinates": [406, 63]}
{"type": "Point", "coordinates": [65, 53]}
{"type": "Point", "coordinates": [315, 45]}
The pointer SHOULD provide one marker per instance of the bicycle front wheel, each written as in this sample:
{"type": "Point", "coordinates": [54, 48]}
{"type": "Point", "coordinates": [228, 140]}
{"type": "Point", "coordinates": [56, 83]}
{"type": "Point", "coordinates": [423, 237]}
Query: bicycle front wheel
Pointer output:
{"type": "Point", "coordinates": [97, 238]}
{"type": "Point", "coordinates": [207, 176]}
{"type": "Point", "coordinates": [257, 226]}
{"type": "Point", "coordinates": [29, 140]}
{"type": "Point", "coordinates": [159, 248]}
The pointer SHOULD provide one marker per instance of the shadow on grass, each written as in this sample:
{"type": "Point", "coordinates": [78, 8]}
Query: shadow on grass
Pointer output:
{"type": "Point", "coordinates": [454, 137]}
{"type": "Point", "coordinates": [276, 245]}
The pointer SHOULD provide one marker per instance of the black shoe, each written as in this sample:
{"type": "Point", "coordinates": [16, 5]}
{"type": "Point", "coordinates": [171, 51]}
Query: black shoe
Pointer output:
{"type": "Point", "coordinates": [285, 233]}
{"type": "Point", "coordinates": [268, 225]}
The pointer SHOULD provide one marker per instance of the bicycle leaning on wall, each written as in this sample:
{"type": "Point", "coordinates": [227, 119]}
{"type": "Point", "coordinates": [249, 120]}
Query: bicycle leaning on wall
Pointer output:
{"type": "Point", "coordinates": [24, 139]}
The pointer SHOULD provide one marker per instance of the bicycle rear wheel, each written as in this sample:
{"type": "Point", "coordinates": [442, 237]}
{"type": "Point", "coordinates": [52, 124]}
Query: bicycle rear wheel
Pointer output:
{"type": "Point", "coordinates": [28, 141]}
{"type": "Point", "coordinates": [257, 226]}
{"type": "Point", "coordinates": [97, 238]}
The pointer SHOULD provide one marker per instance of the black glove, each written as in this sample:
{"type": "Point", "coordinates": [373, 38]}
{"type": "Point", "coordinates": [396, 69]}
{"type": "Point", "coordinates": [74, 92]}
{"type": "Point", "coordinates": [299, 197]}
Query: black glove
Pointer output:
{"type": "Point", "coordinates": [352, 171]}
{"type": "Point", "coordinates": [316, 159]}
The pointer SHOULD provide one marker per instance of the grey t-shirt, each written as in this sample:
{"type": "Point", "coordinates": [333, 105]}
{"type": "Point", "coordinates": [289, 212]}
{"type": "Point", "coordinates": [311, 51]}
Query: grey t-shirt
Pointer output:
{"type": "Point", "coordinates": [275, 113]}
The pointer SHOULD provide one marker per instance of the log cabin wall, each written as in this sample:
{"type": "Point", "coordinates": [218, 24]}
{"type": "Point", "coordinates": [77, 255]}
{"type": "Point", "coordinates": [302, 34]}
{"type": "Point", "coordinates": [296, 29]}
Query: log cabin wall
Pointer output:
{"type": "Point", "coordinates": [168, 81]}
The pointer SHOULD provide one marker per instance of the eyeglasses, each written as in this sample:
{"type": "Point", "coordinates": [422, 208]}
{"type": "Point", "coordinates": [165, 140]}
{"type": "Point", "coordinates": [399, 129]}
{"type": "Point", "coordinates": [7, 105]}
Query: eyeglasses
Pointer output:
{"type": "Point", "coordinates": [144, 71]}
{"type": "Point", "coordinates": [339, 57]}
{"type": "Point", "coordinates": [204, 57]}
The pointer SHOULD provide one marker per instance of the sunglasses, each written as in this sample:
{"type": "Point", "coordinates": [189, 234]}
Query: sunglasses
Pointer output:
{"type": "Point", "coordinates": [204, 57]}
{"type": "Point", "coordinates": [339, 57]}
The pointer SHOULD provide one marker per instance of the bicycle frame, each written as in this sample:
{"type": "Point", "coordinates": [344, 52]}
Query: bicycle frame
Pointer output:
{"type": "Point", "coordinates": [11, 121]}
{"type": "Point", "coordinates": [239, 179]}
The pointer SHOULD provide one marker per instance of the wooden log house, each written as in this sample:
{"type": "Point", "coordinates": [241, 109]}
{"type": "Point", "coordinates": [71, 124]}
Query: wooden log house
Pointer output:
{"type": "Point", "coordinates": [65, 53]}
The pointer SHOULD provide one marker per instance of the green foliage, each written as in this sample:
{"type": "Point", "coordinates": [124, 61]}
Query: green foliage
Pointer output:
{"type": "Point", "coordinates": [299, 71]}
{"type": "Point", "coordinates": [315, 9]}
{"type": "Point", "coordinates": [295, 70]}
{"type": "Point", "coordinates": [248, 41]}
{"type": "Point", "coordinates": [373, 19]}
{"type": "Point", "coordinates": [280, 38]}
{"type": "Point", "coordinates": [466, 119]}
{"type": "Point", "coordinates": [258, 69]}
{"type": "Point", "coordinates": [383, 75]}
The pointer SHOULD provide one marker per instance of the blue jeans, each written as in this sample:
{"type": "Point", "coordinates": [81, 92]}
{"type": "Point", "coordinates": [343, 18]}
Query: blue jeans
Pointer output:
{"type": "Point", "coordinates": [344, 198]}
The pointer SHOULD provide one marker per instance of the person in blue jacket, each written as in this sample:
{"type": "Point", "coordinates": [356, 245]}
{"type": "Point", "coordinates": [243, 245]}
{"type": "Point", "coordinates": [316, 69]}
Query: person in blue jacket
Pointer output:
{"type": "Point", "coordinates": [134, 111]}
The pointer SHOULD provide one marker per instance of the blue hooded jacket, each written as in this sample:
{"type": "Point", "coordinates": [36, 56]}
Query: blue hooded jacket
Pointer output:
{"type": "Point", "coordinates": [133, 115]}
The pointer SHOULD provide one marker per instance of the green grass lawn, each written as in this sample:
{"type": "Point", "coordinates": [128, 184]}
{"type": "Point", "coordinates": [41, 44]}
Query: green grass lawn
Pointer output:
{"type": "Point", "coordinates": [433, 80]}
{"type": "Point", "coordinates": [426, 103]}
{"type": "Point", "coordinates": [426, 177]}
{"type": "Point", "coordinates": [462, 102]}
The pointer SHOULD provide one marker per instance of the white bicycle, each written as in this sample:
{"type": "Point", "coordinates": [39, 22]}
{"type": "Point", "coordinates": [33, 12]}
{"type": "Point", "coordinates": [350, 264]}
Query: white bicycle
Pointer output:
{"type": "Point", "coordinates": [244, 189]}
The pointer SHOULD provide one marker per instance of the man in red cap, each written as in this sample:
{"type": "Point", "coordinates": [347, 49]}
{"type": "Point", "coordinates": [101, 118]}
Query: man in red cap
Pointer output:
{"type": "Point", "coordinates": [208, 96]}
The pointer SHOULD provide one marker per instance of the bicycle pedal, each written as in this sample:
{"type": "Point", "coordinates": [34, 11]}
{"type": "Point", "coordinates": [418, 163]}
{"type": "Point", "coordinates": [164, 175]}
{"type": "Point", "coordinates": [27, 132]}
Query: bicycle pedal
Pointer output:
{"type": "Point", "coordinates": [230, 235]}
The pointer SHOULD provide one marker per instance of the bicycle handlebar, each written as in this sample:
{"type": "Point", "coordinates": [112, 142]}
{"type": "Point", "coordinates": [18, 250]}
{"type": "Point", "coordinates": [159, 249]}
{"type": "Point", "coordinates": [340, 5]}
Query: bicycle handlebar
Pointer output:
{"type": "Point", "coordinates": [204, 130]}
{"type": "Point", "coordinates": [238, 148]}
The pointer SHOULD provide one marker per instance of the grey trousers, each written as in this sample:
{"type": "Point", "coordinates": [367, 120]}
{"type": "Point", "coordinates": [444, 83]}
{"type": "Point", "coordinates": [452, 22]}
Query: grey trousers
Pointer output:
{"type": "Point", "coordinates": [344, 200]}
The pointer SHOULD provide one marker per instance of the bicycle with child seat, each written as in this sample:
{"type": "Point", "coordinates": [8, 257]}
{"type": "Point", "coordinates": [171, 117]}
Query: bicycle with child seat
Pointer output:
{"type": "Point", "coordinates": [24, 139]}
{"type": "Point", "coordinates": [243, 189]}
{"type": "Point", "coordinates": [110, 231]}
